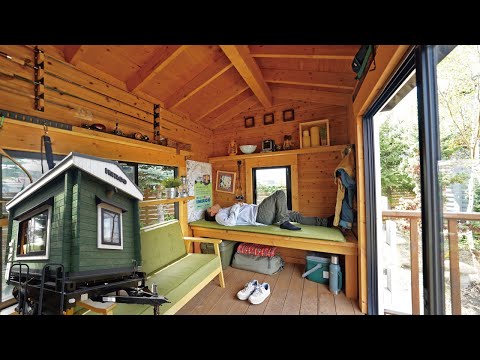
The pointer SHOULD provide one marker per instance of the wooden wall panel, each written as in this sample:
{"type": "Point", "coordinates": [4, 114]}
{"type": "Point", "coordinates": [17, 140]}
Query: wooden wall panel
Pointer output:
{"type": "Point", "coordinates": [317, 190]}
{"type": "Point", "coordinates": [76, 98]}
{"type": "Point", "coordinates": [235, 129]}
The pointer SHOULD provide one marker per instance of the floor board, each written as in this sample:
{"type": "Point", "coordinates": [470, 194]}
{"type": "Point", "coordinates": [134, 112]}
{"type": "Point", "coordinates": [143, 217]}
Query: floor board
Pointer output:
{"type": "Point", "coordinates": [290, 294]}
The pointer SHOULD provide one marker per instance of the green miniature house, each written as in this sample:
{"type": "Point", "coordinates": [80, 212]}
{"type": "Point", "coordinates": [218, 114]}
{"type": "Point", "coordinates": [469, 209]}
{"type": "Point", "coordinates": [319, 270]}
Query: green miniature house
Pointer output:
{"type": "Point", "coordinates": [82, 214]}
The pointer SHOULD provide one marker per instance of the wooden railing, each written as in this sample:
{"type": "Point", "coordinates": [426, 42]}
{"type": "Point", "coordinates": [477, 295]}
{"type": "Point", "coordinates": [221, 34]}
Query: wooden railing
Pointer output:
{"type": "Point", "coordinates": [452, 221]}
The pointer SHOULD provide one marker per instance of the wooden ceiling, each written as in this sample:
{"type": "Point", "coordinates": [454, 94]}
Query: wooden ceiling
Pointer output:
{"type": "Point", "coordinates": [213, 83]}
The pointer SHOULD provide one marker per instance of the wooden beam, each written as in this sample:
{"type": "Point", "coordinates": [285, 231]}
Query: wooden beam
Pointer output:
{"type": "Point", "coordinates": [157, 63]}
{"type": "Point", "coordinates": [73, 53]}
{"type": "Point", "coordinates": [323, 97]}
{"type": "Point", "coordinates": [233, 111]}
{"type": "Point", "coordinates": [338, 52]}
{"type": "Point", "coordinates": [312, 78]}
{"type": "Point", "coordinates": [246, 66]}
{"type": "Point", "coordinates": [205, 77]}
{"type": "Point", "coordinates": [221, 103]}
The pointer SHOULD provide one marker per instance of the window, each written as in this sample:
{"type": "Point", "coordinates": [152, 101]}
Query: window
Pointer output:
{"type": "Point", "coordinates": [268, 180]}
{"type": "Point", "coordinates": [149, 182]}
{"type": "Point", "coordinates": [110, 234]}
{"type": "Point", "coordinates": [34, 233]}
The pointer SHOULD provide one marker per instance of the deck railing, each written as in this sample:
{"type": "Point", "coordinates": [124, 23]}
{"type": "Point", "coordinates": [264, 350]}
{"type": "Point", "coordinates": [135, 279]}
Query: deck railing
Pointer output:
{"type": "Point", "coordinates": [452, 223]}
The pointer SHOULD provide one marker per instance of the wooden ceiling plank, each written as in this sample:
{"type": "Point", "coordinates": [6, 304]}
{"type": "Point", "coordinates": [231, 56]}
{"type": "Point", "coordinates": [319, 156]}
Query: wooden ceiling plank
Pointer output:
{"type": "Point", "coordinates": [233, 111]}
{"type": "Point", "coordinates": [339, 52]}
{"type": "Point", "coordinates": [221, 103]}
{"type": "Point", "coordinates": [315, 78]}
{"type": "Point", "coordinates": [73, 53]}
{"type": "Point", "coordinates": [157, 63]}
{"type": "Point", "coordinates": [204, 78]}
{"type": "Point", "coordinates": [246, 66]}
{"type": "Point", "coordinates": [323, 97]}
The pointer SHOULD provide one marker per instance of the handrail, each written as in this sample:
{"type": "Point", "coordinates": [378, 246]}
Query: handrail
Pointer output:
{"type": "Point", "coordinates": [452, 221]}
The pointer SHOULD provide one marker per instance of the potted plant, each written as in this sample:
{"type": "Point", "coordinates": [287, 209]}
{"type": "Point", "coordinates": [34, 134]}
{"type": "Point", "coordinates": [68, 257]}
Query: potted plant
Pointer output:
{"type": "Point", "coordinates": [171, 185]}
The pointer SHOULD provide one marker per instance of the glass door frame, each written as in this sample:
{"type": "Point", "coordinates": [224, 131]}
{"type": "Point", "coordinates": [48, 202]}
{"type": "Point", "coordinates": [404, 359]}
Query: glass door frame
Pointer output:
{"type": "Point", "coordinates": [423, 60]}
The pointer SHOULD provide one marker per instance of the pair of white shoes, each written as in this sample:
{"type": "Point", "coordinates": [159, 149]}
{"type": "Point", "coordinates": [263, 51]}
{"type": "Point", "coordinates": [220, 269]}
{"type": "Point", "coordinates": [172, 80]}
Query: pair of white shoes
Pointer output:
{"type": "Point", "coordinates": [255, 292]}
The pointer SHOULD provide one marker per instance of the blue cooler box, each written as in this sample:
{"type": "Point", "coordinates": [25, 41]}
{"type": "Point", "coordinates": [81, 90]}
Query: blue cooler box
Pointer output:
{"type": "Point", "coordinates": [317, 267]}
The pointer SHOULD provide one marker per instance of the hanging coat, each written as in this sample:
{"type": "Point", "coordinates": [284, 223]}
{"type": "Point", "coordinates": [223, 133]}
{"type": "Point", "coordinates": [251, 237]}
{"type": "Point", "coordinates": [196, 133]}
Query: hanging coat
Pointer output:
{"type": "Point", "coordinates": [344, 175]}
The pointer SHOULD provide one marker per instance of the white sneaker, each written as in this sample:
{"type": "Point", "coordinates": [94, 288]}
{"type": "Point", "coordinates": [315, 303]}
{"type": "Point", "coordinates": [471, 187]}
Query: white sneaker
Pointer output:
{"type": "Point", "coordinates": [247, 290]}
{"type": "Point", "coordinates": [260, 294]}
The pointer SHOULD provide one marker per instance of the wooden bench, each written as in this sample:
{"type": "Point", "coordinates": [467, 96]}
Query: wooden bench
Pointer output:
{"type": "Point", "coordinates": [178, 274]}
{"type": "Point", "coordinates": [348, 248]}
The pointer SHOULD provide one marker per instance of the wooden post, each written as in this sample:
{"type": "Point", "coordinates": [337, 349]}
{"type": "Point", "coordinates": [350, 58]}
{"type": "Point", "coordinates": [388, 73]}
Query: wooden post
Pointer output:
{"type": "Point", "coordinates": [351, 276]}
{"type": "Point", "coordinates": [454, 267]}
{"type": "Point", "coordinates": [414, 266]}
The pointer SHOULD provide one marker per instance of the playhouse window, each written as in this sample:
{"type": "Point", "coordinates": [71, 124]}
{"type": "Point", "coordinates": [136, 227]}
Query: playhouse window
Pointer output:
{"type": "Point", "coordinates": [109, 227]}
{"type": "Point", "coordinates": [34, 233]}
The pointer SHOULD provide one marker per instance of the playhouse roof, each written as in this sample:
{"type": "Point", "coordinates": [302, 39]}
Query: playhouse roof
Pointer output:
{"type": "Point", "coordinates": [105, 170]}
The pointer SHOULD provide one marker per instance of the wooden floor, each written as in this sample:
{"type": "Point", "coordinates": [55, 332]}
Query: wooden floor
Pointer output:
{"type": "Point", "coordinates": [291, 295]}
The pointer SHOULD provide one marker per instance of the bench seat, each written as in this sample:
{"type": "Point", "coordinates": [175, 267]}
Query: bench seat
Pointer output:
{"type": "Point", "coordinates": [175, 282]}
{"type": "Point", "coordinates": [313, 238]}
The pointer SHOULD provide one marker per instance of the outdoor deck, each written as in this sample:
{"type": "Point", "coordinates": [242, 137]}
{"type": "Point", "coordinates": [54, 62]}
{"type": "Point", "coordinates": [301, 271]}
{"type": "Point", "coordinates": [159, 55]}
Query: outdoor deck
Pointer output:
{"type": "Point", "coordinates": [291, 295]}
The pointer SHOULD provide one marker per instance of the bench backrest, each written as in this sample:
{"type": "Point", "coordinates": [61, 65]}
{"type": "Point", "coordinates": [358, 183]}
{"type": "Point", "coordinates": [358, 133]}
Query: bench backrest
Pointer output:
{"type": "Point", "coordinates": [162, 244]}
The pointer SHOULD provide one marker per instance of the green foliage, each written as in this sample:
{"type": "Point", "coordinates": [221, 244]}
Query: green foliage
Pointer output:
{"type": "Point", "coordinates": [150, 176]}
{"type": "Point", "coordinates": [394, 150]}
{"type": "Point", "coordinates": [171, 182]}
{"type": "Point", "coordinates": [268, 190]}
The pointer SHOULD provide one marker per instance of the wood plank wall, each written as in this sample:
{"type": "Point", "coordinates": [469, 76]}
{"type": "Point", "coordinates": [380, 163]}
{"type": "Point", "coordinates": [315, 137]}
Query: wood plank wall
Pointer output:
{"type": "Point", "coordinates": [317, 190]}
{"type": "Point", "coordinates": [76, 98]}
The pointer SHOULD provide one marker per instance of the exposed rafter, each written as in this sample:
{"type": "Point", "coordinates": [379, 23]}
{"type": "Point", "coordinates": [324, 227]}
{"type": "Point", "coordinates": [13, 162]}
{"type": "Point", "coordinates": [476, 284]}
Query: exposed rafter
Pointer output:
{"type": "Point", "coordinates": [157, 63]}
{"type": "Point", "coordinates": [339, 52]}
{"type": "Point", "coordinates": [205, 77]}
{"type": "Point", "coordinates": [73, 53]}
{"type": "Point", "coordinates": [240, 57]}
{"type": "Point", "coordinates": [312, 78]}
{"type": "Point", "coordinates": [221, 103]}
{"type": "Point", "coordinates": [323, 97]}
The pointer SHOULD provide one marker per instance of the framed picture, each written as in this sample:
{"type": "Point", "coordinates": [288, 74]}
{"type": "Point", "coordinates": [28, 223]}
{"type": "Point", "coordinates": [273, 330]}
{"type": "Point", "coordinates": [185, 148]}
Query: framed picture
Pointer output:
{"type": "Point", "coordinates": [225, 181]}
{"type": "Point", "coordinates": [268, 119]}
{"type": "Point", "coordinates": [249, 122]}
{"type": "Point", "coordinates": [288, 115]}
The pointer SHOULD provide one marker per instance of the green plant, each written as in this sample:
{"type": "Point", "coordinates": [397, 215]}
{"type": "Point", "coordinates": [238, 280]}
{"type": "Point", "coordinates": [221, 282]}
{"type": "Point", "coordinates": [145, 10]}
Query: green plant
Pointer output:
{"type": "Point", "coordinates": [171, 182]}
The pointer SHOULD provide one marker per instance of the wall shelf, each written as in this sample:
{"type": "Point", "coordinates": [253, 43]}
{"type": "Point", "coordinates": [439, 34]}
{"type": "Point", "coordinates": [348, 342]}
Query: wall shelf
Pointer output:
{"type": "Point", "coordinates": [164, 201]}
{"type": "Point", "coordinates": [310, 150]}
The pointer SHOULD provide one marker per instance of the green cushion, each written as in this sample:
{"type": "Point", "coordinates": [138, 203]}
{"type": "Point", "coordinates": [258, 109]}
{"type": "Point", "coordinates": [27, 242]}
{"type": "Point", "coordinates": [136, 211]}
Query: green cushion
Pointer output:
{"type": "Point", "coordinates": [308, 231]}
{"type": "Point", "coordinates": [174, 282]}
{"type": "Point", "coordinates": [161, 245]}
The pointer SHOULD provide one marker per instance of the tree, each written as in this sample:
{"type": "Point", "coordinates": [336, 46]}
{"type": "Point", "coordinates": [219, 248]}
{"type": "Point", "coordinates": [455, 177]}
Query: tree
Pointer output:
{"type": "Point", "coordinates": [394, 150]}
{"type": "Point", "coordinates": [458, 77]}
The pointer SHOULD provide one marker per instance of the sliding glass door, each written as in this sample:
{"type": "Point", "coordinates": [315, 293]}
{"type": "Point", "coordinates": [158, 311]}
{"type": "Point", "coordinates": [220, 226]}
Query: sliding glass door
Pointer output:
{"type": "Point", "coordinates": [422, 174]}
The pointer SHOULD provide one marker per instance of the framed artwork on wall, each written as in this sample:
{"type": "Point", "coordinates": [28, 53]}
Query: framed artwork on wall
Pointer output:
{"type": "Point", "coordinates": [225, 181]}
{"type": "Point", "coordinates": [288, 115]}
{"type": "Point", "coordinates": [268, 119]}
{"type": "Point", "coordinates": [249, 122]}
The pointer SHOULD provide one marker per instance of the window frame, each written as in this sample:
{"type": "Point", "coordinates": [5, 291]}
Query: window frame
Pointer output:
{"type": "Point", "coordinates": [100, 243]}
{"type": "Point", "coordinates": [28, 216]}
{"type": "Point", "coordinates": [288, 169]}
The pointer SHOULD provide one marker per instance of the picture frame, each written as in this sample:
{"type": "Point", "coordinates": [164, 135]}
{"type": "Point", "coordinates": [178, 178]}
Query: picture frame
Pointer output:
{"type": "Point", "coordinates": [268, 119]}
{"type": "Point", "coordinates": [225, 181]}
{"type": "Point", "coordinates": [249, 122]}
{"type": "Point", "coordinates": [288, 115]}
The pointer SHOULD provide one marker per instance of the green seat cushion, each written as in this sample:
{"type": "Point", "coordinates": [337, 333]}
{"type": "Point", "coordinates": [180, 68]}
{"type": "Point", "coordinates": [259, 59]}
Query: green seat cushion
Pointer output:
{"type": "Point", "coordinates": [174, 282]}
{"type": "Point", "coordinates": [308, 231]}
{"type": "Point", "coordinates": [161, 245]}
